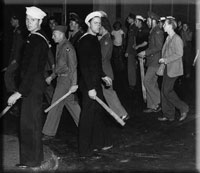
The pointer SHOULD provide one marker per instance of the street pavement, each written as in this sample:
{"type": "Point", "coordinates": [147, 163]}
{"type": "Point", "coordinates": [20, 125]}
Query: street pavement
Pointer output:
{"type": "Point", "coordinates": [144, 144]}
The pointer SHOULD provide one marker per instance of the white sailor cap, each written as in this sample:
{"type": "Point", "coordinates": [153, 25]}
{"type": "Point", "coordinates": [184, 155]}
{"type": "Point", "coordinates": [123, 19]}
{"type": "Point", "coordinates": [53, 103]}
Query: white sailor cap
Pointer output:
{"type": "Point", "coordinates": [162, 18]}
{"type": "Point", "coordinates": [170, 17]}
{"type": "Point", "coordinates": [92, 15]}
{"type": "Point", "coordinates": [103, 14]}
{"type": "Point", "coordinates": [140, 17]}
{"type": "Point", "coordinates": [35, 12]}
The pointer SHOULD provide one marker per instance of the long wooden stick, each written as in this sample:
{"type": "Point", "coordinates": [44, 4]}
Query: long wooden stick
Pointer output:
{"type": "Point", "coordinates": [110, 111]}
{"type": "Point", "coordinates": [142, 79]}
{"type": "Point", "coordinates": [72, 90]}
{"type": "Point", "coordinates": [57, 101]}
{"type": "Point", "coordinates": [5, 110]}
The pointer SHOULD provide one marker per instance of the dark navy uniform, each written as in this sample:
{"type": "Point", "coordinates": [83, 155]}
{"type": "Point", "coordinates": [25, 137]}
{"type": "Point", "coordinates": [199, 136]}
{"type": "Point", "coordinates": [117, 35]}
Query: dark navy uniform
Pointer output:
{"type": "Point", "coordinates": [93, 133]}
{"type": "Point", "coordinates": [32, 87]}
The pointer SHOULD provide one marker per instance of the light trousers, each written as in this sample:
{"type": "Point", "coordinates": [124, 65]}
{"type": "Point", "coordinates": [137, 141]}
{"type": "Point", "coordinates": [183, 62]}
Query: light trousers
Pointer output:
{"type": "Point", "coordinates": [54, 115]}
{"type": "Point", "coordinates": [151, 85]}
{"type": "Point", "coordinates": [113, 101]}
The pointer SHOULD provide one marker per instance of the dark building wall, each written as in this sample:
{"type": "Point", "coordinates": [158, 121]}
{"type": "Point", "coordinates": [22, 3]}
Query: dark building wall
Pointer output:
{"type": "Point", "coordinates": [184, 11]}
{"type": "Point", "coordinates": [7, 12]}
{"type": "Point", "coordinates": [81, 9]}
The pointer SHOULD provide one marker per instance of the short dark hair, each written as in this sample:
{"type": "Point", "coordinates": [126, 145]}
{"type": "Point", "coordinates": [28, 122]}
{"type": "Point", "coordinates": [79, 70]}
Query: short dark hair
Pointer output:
{"type": "Point", "coordinates": [75, 17]}
{"type": "Point", "coordinates": [52, 18]}
{"type": "Point", "coordinates": [117, 24]}
{"type": "Point", "coordinates": [132, 16]}
{"type": "Point", "coordinates": [15, 16]}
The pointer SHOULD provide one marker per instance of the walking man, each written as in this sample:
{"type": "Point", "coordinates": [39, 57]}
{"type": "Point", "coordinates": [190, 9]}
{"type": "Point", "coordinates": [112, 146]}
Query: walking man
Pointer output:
{"type": "Point", "coordinates": [93, 132]}
{"type": "Point", "coordinates": [66, 72]}
{"type": "Point", "coordinates": [106, 51]}
{"type": "Point", "coordinates": [131, 52]}
{"type": "Point", "coordinates": [172, 54]}
{"type": "Point", "coordinates": [152, 55]}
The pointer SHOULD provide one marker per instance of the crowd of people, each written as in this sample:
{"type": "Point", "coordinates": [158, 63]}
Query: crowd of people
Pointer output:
{"type": "Point", "coordinates": [74, 57]}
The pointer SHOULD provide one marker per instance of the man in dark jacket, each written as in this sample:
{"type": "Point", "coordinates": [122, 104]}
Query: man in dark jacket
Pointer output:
{"type": "Point", "coordinates": [31, 89]}
{"type": "Point", "coordinates": [15, 55]}
{"type": "Point", "coordinates": [76, 31]}
{"type": "Point", "coordinates": [131, 52]}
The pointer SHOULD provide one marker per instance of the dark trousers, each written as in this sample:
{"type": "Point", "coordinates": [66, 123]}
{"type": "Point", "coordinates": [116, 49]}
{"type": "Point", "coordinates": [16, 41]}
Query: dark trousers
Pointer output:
{"type": "Point", "coordinates": [31, 147]}
{"type": "Point", "coordinates": [118, 58]}
{"type": "Point", "coordinates": [132, 69]}
{"type": "Point", "coordinates": [187, 60]}
{"type": "Point", "coordinates": [169, 98]}
{"type": "Point", "coordinates": [93, 132]}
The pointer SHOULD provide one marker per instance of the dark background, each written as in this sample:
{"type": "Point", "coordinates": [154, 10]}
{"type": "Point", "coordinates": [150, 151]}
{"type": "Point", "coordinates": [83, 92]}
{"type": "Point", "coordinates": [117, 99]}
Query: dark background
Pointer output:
{"type": "Point", "coordinates": [182, 11]}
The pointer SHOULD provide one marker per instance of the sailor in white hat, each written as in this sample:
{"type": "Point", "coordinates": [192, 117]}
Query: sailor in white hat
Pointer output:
{"type": "Point", "coordinates": [34, 15]}
{"type": "Point", "coordinates": [35, 12]}
{"type": "Point", "coordinates": [170, 17]}
{"type": "Point", "coordinates": [91, 16]}
{"type": "Point", "coordinates": [103, 13]}
{"type": "Point", "coordinates": [31, 90]}
{"type": "Point", "coordinates": [162, 19]}
{"type": "Point", "coordinates": [142, 34]}
{"type": "Point", "coordinates": [140, 17]}
{"type": "Point", "coordinates": [89, 53]}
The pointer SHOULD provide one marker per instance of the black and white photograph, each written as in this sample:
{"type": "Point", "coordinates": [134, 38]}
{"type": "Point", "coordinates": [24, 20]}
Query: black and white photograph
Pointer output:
{"type": "Point", "coordinates": [100, 86]}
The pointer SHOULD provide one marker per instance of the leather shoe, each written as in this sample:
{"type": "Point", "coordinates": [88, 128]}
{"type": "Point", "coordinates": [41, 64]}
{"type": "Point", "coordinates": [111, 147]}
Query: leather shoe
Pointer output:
{"type": "Point", "coordinates": [22, 166]}
{"type": "Point", "coordinates": [183, 116]}
{"type": "Point", "coordinates": [165, 119]}
{"type": "Point", "coordinates": [150, 110]}
{"type": "Point", "coordinates": [157, 109]}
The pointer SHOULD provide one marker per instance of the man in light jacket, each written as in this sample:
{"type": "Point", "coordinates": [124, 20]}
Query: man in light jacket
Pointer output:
{"type": "Point", "coordinates": [172, 53]}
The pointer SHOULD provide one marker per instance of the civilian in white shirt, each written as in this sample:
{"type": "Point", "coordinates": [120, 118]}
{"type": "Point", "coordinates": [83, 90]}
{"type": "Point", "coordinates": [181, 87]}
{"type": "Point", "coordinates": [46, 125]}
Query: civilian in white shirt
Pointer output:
{"type": "Point", "coordinates": [118, 37]}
